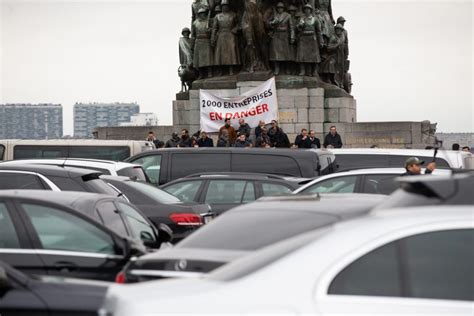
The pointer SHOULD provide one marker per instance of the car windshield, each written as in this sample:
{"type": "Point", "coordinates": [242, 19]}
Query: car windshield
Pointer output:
{"type": "Point", "coordinates": [154, 193]}
{"type": "Point", "coordinates": [251, 230]}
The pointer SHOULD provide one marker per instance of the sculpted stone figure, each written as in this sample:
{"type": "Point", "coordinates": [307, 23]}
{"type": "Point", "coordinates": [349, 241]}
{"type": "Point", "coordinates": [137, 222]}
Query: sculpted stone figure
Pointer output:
{"type": "Point", "coordinates": [346, 76]}
{"type": "Point", "coordinates": [282, 37]}
{"type": "Point", "coordinates": [186, 73]}
{"type": "Point", "coordinates": [253, 30]}
{"type": "Point", "coordinates": [310, 41]}
{"type": "Point", "coordinates": [325, 9]}
{"type": "Point", "coordinates": [224, 38]}
{"type": "Point", "coordinates": [292, 10]}
{"type": "Point", "coordinates": [203, 53]}
{"type": "Point", "coordinates": [333, 65]}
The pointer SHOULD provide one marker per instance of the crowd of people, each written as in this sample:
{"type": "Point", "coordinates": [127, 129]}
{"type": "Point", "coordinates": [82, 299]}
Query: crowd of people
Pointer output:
{"type": "Point", "coordinates": [243, 137]}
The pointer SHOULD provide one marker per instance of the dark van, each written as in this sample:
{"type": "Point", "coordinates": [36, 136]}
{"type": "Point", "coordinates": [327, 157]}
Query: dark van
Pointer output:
{"type": "Point", "coordinates": [164, 165]}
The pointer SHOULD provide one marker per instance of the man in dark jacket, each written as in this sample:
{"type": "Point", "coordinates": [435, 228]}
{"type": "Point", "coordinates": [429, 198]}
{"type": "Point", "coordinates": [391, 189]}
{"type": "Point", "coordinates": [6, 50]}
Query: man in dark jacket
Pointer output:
{"type": "Point", "coordinates": [242, 141]}
{"type": "Point", "coordinates": [231, 133]}
{"type": "Point", "coordinates": [205, 141]}
{"type": "Point", "coordinates": [173, 141]}
{"type": "Point", "coordinates": [185, 141]}
{"type": "Point", "coordinates": [244, 128]}
{"type": "Point", "coordinates": [263, 141]}
{"type": "Point", "coordinates": [258, 129]}
{"type": "Point", "coordinates": [223, 140]}
{"type": "Point", "coordinates": [278, 138]}
{"type": "Point", "coordinates": [301, 139]}
{"type": "Point", "coordinates": [413, 167]}
{"type": "Point", "coordinates": [333, 139]}
{"type": "Point", "coordinates": [313, 141]}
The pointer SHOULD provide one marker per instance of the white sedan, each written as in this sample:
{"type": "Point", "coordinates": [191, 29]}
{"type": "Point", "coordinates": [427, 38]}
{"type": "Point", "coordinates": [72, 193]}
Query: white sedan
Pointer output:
{"type": "Point", "coordinates": [372, 181]}
{"type": "Point", "coordinates": [414, 261]}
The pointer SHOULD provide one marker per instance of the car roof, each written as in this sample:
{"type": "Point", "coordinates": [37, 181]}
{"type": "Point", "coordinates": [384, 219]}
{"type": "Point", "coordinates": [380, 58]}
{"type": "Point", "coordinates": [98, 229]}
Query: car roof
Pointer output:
{"type": "Point", "coordinates": [238, 175]}
{"type": "Point", "coordinates": [104, 163]}
{"type": "Point", "coordinates": [342, 205]}
{"type": "Point", "coordinates": [48, 170]}
{"type": "Point", "coordinates": [62, 197]}
{"type": "Point", "coordinates": [397, 151]}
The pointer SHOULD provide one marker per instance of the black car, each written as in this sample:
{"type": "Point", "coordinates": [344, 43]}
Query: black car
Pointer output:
{"type": "Point", "coordinates": [115, 213]}
{"type": "Point", "coordinates": [21, 294]}
{"type": "Point", "coordinates": [223, 191]}
{"type": "Point", "coordinates": [245, 229]}
{"type": "Point", "coordinates": [55, 178]}
{"type": "Point", "coordinates": [165, 165]}
{"type": "Point", "coordinates": [455, 189]}
{"type": "Point", "coordinates": [161, 207]}
{"type": "Point", "coordinates": [42, 237]}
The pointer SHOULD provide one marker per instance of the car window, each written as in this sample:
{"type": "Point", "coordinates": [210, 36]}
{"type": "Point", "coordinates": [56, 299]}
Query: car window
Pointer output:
{"type": "Point", "coordinates": [66, 184]}
{"type": "Point", "coordinates": [111, 218]}
{"type": "Point", "coordinates": [13, 180]}
{"type": "Point", "coordinates": [185, 191]}
{"type": "Point", "coordinates": [440, 265]}
{"type": "Point", "coordinates": [436, 265]}
{"type": "Point", "coordinates": [225, 191]}
{"type": "Point", "coordinates": [275, 188]}
{"type": "Point", "coordinates": [281, 165]}
{"type": "Point", "coordinates": [185, 164]}
{"type": "Point", "coordinates": [249, 194]}
{"type": "Point", "coordinates": [39, 151]}
{"type": "Point", "coordinates": [59, 230]}
{"type": "Point", "coordinates": [151, 164]}
{"type": "Point", "coordinates": [375, 274]}
{"type": "Point", "coordinates": [2, 152]}
{"type": "Point", "coordinates": [8, 236]}
{"type": "Point", "coordinates": [380, 183]}
{"type": "Point", "coordinates": [140, 227]}
{"type": "Point", "coordinates": [153, 192]}
{"type": "Point", "coordinates": [115, 153]}
{"type": "Point", "coordinates": [334, 185]}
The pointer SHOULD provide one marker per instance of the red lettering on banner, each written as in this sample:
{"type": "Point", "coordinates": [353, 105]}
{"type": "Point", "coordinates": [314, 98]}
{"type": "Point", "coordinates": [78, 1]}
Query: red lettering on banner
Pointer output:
{"type": "Point", "coordinates": [228, 115]}
{"type": "Point", "coordinates": [258, 110]}
{"type": "Point", "coordinates": [265, 107]}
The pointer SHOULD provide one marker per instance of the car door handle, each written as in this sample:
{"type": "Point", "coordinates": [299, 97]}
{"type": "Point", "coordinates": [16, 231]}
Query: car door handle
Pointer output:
{"type": "Point", "coordinates": [65, 266]}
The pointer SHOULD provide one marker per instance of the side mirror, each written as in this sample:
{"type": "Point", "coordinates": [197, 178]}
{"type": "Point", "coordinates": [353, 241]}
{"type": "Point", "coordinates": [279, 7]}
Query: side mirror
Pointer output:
{"type": "Point", "coordinates": [149, 241]}
{"type": "Point", "coordinates": [165, 234]}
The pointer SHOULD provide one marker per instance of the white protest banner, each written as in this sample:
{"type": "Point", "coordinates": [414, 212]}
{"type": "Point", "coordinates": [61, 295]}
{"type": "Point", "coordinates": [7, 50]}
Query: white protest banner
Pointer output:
{"type": "Point", "coordinates": [258, 104]}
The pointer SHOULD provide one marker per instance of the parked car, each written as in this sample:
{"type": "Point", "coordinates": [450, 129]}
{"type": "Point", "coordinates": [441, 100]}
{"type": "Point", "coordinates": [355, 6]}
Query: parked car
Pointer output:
{"type": "Point", "coordinates": [361, 158]}
{"type": "Point", "coordinates": [415, 261]}
{"type": "Point", "coordinates": [373, 181]}
{"type": "Point", "coordinates": [120, 216]}
{"type": "Point", "coordinates": [245, 229]}
{"type": "Point", "coordinates": [42, 237]}
{"type": "Point", "coordinates": [456, 189]}
{"type": "Point", "coordinates": [39, 177]}
{"type": "Point", "coordinates": [21, 294]}
{"type": "Point", "coordinates": [161, 207]}
{"type": "Point", "coordinates": [223, 191]}
{"type": "Point", "coordinates": [106, 167]}
{"type": "Point", "coordinates": [165, 165]}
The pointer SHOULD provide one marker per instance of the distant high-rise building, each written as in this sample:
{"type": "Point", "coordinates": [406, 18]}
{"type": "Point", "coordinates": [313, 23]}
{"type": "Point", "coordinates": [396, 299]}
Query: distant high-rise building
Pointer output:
{"type": "Point", "coordinates": [87, 116]}
{"type": "Point", "coordinates": [142, 119]}
{"type": "Point", "coordinates": [31, 121]}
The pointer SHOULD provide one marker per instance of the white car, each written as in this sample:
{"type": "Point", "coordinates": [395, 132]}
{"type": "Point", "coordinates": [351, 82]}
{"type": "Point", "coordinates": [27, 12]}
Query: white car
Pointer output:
{"type": "Point", "coordinates": [107, 167]}
{"type": "Point", "coordinates": [372, 181]}
{"type": "Point", "coordinates": [358, 158]}
{"type": "Point", "coordinates": [414, 261]}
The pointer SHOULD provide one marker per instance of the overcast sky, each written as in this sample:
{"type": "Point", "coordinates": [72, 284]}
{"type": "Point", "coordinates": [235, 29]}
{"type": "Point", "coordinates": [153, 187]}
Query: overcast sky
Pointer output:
{"type": "Point", "coordinates": [410, 60]}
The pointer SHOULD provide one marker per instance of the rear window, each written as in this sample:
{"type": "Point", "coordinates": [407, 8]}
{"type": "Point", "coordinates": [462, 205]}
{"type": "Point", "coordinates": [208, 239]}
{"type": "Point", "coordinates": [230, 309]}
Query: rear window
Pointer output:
{"type": "Point", "coordinates": [154, 193]}
{"type": "Point", "coordinates": [133, 172]}
{"type": "Point", "coordinates": [185, 164]}
{"type": "Point", "coordinates": [99, 186]}
{"type": "Point", "coordinates": [252, 230]}
{"type": "Point", "coordinates": [281, 165]}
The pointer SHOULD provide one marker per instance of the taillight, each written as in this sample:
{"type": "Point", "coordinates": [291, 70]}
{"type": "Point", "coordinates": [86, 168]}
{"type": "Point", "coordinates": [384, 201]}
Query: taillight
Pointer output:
{"type": "Point", "coordinates": [120, 278]}
{"type": "Point", "coordinates": [186, 219]}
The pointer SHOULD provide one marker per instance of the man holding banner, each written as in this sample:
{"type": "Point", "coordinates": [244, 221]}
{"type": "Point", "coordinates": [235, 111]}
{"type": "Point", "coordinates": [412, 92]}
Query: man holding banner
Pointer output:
{"type": "Point", "coordinates": [258, 104]}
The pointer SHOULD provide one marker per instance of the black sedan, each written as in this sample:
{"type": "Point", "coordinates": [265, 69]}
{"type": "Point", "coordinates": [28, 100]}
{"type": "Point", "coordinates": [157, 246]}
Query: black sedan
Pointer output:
{"type": "Point", "coordinates": [161, 207]}
{"type": "Point", "coordinates": [223, 191]}
{"type": "Point", "coordinates": [24, 295]}
{"type": "Point", "coordinates": [42, 237]}
{"type": "Point", "coordinates": [245, 229]}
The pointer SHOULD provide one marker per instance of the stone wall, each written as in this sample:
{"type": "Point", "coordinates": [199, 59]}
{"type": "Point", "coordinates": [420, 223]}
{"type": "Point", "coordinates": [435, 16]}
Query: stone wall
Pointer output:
{"type": "Point", "coordinates": [463, 139]}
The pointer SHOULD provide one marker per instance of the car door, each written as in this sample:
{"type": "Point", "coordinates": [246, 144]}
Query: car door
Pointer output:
{"type": "Point", "coordinates": [223, 195]}
{"type": "Point", "coordinates": [424, 273]}
{"type": "Point", "coordinates": [70, 244]}
{"type": "Point", "coordinates": [15, 246]}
